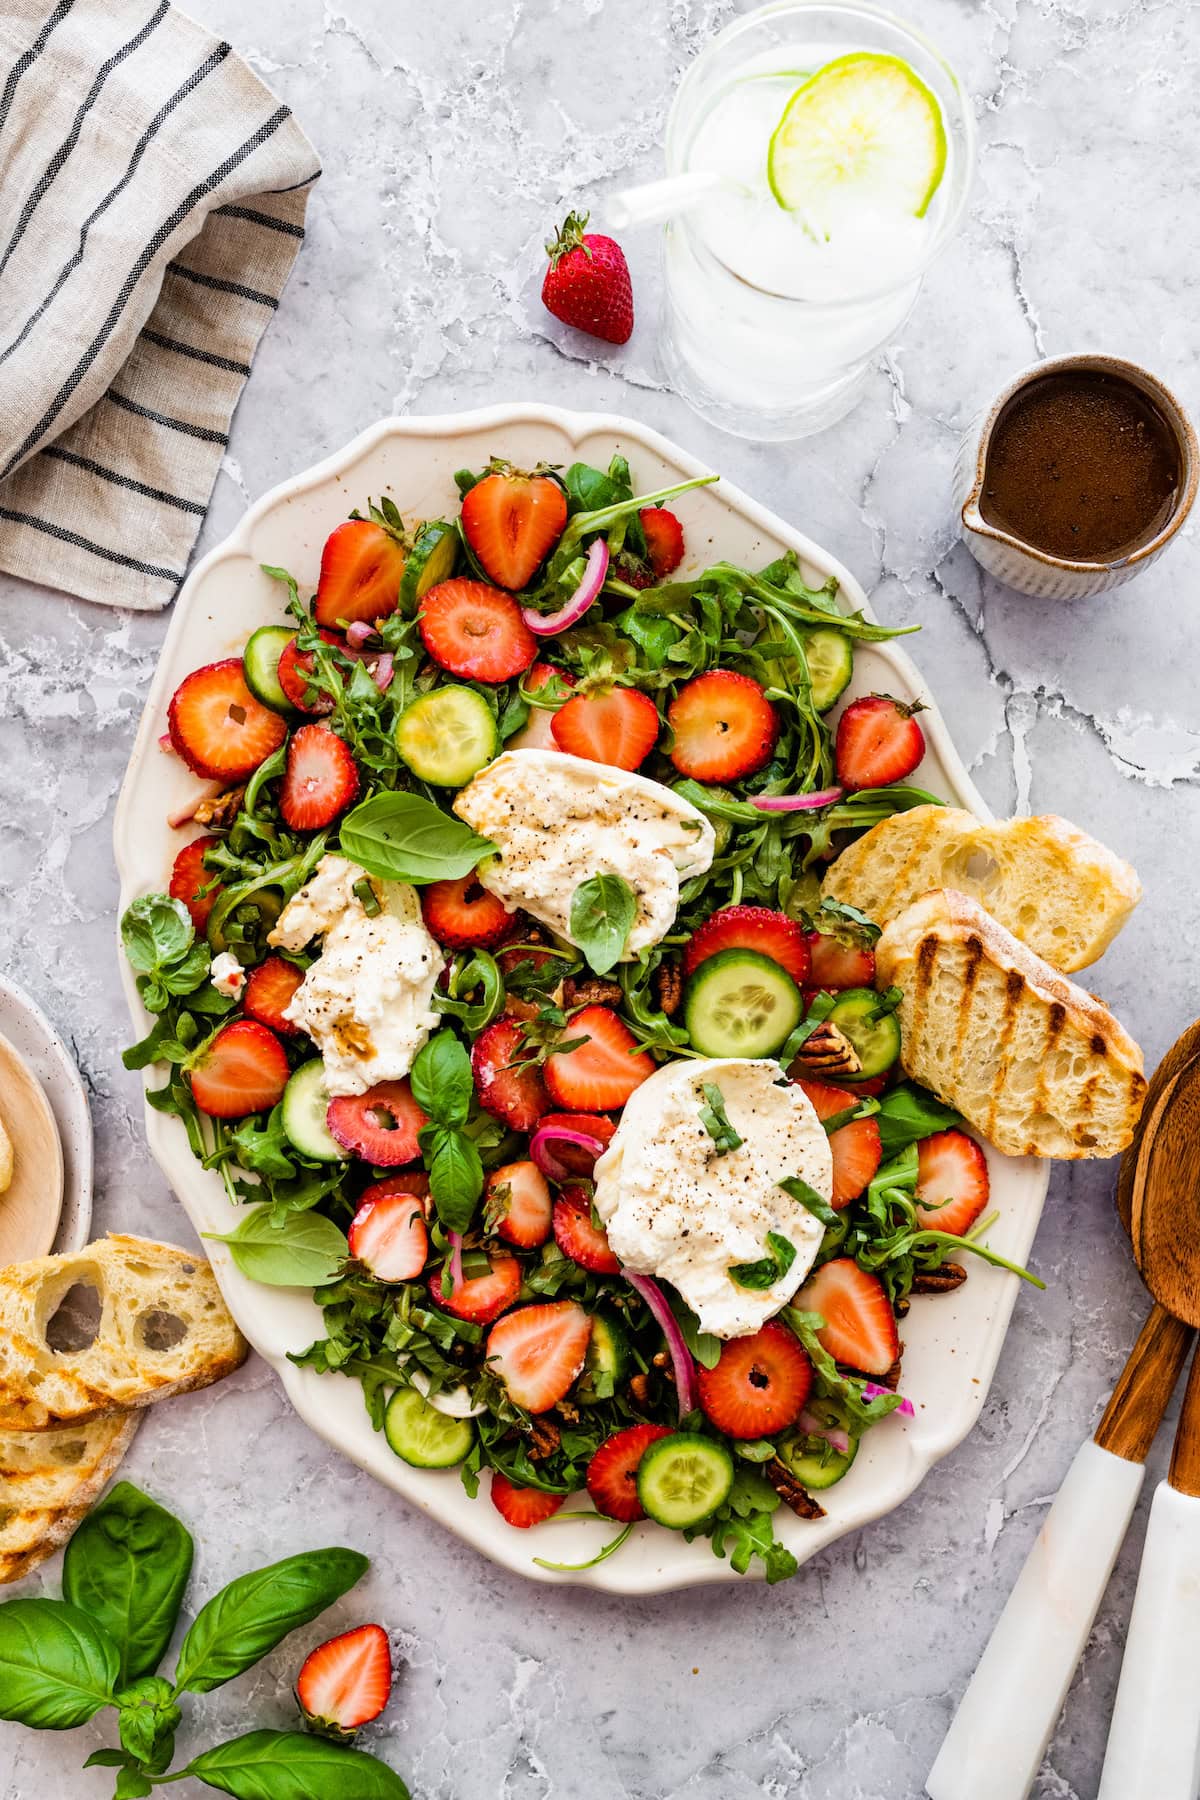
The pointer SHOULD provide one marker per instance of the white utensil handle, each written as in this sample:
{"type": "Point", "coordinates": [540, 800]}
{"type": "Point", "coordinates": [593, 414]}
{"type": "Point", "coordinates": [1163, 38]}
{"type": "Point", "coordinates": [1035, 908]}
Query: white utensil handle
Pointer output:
{"type": "Point", "coordinates": [1154, 1740]}
{"type": "Point", "coordinates": [999, 1734]}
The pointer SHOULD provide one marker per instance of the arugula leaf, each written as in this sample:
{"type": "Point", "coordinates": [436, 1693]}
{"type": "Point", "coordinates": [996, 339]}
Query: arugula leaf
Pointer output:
{"type": "Point", "coordinates": [252, 1614]}
{"type": "Point", "coordinates": [285, 1248]}
{"type": "Point", "coordinates": [292, 1765]}
{"type": "Point", "coordinates": [809, 1198]}
{"type": "Point", "coordinates": [603, 909]}
{"type": "Point", "coordinates": [829, 1380]}
{"type": "Point", "coordinates": [126, 1567]}
{"type": "Point", "coordinates": [907, 1114]}
{"type": "Point", "coordinates": [757, 1276]}
{"type": "Point", "coordinates": [715, 1119]}
{"type": "Point", "coordinates": [263, 1146]}
{"type": "Point", "coordinates": [441, 1079]}
{"type": "Point", "coordinates": [744, 1524]}
{"type": "Point", "coordinates": [401, 837]}
{"type": "Point", "coordinates": [57, 1666]}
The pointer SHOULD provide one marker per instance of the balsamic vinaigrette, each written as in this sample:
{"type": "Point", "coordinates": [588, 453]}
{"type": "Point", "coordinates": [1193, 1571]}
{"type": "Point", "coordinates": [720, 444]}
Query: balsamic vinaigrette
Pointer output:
{"type": "Point", "coordinates": [1081, 465]}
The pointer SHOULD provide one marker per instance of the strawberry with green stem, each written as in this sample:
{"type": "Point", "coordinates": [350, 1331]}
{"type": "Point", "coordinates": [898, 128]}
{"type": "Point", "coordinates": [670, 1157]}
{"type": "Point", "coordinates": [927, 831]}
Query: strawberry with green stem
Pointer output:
{"type": "Point", "coordinates": [587, 284]}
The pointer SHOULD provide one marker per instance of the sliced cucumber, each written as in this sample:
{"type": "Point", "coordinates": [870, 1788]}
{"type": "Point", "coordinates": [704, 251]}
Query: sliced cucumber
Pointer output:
{"type": "Point", "coordinates": [876, 1040]}
{"type": "Point", "coordinates": [260, 665]}
{"type": "Point", "coordinates": [607, 1359]}
{"type": "Point", "coordinates": [423, 1436]}
{"type": "Point", "coordinates": [305, 1103]}
{"type": "Point", "coordinates": [811, 1458]}
{"type": "Point", "coordinates": [682, 1479]}
{"type": "Point", "coordinates": [447, 735]}
{"type": "Point", "coordinates": [740, 1003]}
{"type": "Point", "coordinates": [431, 559]}
{"type": "Point", "coordinates": [830, 658]}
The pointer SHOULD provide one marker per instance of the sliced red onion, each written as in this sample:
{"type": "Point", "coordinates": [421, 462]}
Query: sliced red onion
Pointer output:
{"type": "Point", "coordinates": [834, 1436]}
{"type": "Point", "coordinates": [547, 624]}
{"type": "Point", "coordinates": [541, 1149]}
{"type": "Point", "coordinates": [873, 1391]}
{"type": "Point", "coordinates": [187, 812]}
{"type": "Point", "coordinates": [359, 633]}
{"type": "Point", "coordinates": [383, 672]}
{"type": "Point", "coordinates": [165, 744]}
{"type": "Point", "coordinates": [796, 802]}
{"type": "Point", "coordinates": [454, 1238]}
{"type": "Point", "coordinates": [681, 1358]}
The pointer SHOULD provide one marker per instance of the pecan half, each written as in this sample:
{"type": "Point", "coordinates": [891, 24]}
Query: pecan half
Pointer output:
{"type": "Point", "coordinates": [951, 1275]}
{"type": "Point", "coordinates": [221, 810]}
{"type": "Point", "coordinates": [668, 979]}
{"type": "Point", "coordinates": [892, 1378]}
{"type": "Point", "coordinates": [568, 1413]}
{"type": "Point", "coordinates": [544, 1439]}
{"type": "Point", "coordinates": [639, 1387]}
{"type": "Point", "coordinates": [516, 1008]}
{"type": "Point", "coordinates": [791, 1492]}
{"type": "Point", "coordinates": [592, 992]}
{"type": "Point", "coordinates": [828, 1052]}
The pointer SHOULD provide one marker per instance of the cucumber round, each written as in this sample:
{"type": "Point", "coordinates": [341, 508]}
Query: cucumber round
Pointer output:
{"type": "Point", "coordinates": [876, 1041]}
{"type": "Point", "coordinates": [447, 735]}
{"type": "Point", "coordinates": [260, 665]}
{"type": "Point", "coordinates": [740, 1003]}
{"type": "Point", "coordinates": [813, 1460]}
{"type": "Point", "coordinates": [682, 1479]}
{"type": "Point", "coordinates": [423, 1436]}
{"type": "Point", "coordinates": [607, 1356]}
{"type": "Point", "coordinates": [305, 1103]}
{"type": "Point", "coordinates": [430, 560]}
{"type": "Point", "coordinates": [830, 658]}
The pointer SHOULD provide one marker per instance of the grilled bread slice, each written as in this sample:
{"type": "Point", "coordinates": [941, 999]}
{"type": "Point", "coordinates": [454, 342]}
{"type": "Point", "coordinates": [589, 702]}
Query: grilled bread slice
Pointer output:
{"type": "Point", "coordinates": [1035, 1064]}
{"type": "Point", "coordinates": [163, 1328]}
{"type": "Point", "coordinates": [1052, 885]}
{"type": "Point", "coordinates": [48, 1482]}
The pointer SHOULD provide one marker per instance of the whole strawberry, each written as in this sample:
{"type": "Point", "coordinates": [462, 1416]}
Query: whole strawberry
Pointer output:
{"type": "Point", "coordinates": [587, 284]}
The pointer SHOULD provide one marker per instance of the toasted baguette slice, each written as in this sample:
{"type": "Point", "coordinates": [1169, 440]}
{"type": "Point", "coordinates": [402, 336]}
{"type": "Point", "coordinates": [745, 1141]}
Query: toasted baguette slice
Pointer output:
{"type": "Point", "coordinates": [163, 1329]}
{"type": "Point", "coordinates": [1035, 1064]}
{"type": "Point", "coordinates": [1050, 884]}
{"type": "Point", "coordinates": [48, 1482]}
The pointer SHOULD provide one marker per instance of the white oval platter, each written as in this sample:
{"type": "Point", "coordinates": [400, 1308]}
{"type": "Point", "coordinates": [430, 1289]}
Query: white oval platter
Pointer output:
{"type": "Point", "coordinates": [953, 1342]}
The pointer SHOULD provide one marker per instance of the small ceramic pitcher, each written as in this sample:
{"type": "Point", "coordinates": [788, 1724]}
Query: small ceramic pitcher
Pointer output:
{"type": "Point", "coordinates": [1021, 565]}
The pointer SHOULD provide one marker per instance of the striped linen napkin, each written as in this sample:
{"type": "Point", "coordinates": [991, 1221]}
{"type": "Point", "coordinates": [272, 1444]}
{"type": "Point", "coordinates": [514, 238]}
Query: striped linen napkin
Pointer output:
{"type": "Point", "coordinates": [152, 201]}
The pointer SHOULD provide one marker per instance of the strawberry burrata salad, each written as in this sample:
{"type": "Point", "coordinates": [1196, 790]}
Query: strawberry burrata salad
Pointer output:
{"type": "Point", "coordinates": [495, 982]}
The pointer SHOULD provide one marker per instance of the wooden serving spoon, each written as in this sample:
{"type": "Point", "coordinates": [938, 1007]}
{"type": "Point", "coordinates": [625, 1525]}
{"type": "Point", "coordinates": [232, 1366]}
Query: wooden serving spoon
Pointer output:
{"type": "Point", "coordinates": [999, 1734]}
{"type": "Point", "coordinates": [31, 1204]}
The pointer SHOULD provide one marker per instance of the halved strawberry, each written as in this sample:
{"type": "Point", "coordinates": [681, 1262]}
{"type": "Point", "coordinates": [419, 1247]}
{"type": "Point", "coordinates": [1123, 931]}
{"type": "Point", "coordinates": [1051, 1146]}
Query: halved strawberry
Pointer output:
{"type": "Point", "coordinates": [619, 727]}
{"type": "Point", "coordinates": [218, 727]}
{"type": "Point", "coordinates": [269, 989]}
{"type": "Point", "coordinates": [952, 1182]}
{"type": "Point", "coordinates": [476, 630]}
{"type": "Point", "coordinates": [878, 742]}
{"type": "Point", "coordinates": [599, 1074]}
{"type": "Point", "coordinates": [523, 1506]}
{"type": "Point", "coordinates": [577, 1237]}
{"type": "Point", "coordinates": [758, 928]}
{"type": "Point", "coordinates": [463, 915]}
{"type": "Point", "coordinates": [518, 1206]}
{"type": "Point", "coordinates": [724, 725]}
{"type": "Point", "coordinates": [345, 1682]}
{"type": "Point", "coordinates": [481, 1298]}
{"type": "Point", "coordinates": [512, 521]}
{"type": "Point", "coordinates": [860, 1326]}
{"type": "Point", "coordinates": [664, 539]}
{"type": "Point", "coordinates": [244, 1070]}
{"type": "Point", "coordinates": [514, 1091]}
{"type": "Point", "coordinates": [539, 1351]}
{"type": "Point", "coordinates": [361, 566]}
{"type": "Point", "coordinates": [573, 1161]}
{"type": "Point", "coordinates": [293, 672]}
{"type": "Point", "coordinates": [388, 1232]}
{"type": "Point", "coordinates": [856, 1148]}
{"type": "Point", "coordinates": [381, 1125]}
{"type": "Point", "coordinates": [835, 966]}
{"type": "Point", "coordinates": [189, 876]}
{"type": "Point", "coordinates": [758, 1385]}
{"type": "Point", "coordinates": [537, 733]}
{"type": "Point", "coordinates": [612, 1472]}
{"type": "Point", "coordinates": [319, 781]}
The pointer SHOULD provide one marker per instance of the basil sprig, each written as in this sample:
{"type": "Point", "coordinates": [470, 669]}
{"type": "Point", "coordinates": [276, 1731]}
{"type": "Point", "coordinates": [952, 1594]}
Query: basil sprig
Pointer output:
{"type": "Point", "coordinates": [442, 1085]}
{"type": "Point", "coordinates": [603, 909]}
{"type": "Point", "coordinates": [249, 1617]}
{"type": "Point", "coordinates": [757, 1276]}
{"type": "Point", "coordinates": [288, 1765]}
{"type": "Point", "coordinates": [159, 940]}
{"type": "Point", "coordinates": [283, 1247]}
{"type": "Point", "coordinates": [127, 1567]}
{"type": "Point", "coordinates": [715, 1120]}
{"type": "Point", "coordinates": [400, 837]}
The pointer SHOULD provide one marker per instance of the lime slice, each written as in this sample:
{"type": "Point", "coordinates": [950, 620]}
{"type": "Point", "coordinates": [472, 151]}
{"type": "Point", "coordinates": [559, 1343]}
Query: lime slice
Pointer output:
{"type": "Point", "coordinates": [863, 132]}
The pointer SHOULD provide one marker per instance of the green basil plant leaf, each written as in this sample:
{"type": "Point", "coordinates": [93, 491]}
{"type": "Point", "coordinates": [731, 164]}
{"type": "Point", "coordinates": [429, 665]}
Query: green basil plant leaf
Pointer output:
{"type": "Point", "coordinates": [249, 1617]}
{"type": "Point", "coordinates": [401, 837]}
{"type": "Point", "coordinates": [57, 1668]}
{"type": "Point", "coordinates": [758, 1276]}
{"type": "Point", "coordinates": [127, 1567]}
{"type": "Point", "coordinates": [290, 1765]}
{"type": "Point", "coordinates": [603, 909]}
{"type": "Point", "coordinates": [455, 1174]}
{"type": "Point", "coordinates": [441, 1079]}
{"type": "Point", "coordinates": [284, 1248]}
{"type": "Point", "coordinates": [132, 1785]}
{"type": "Point", "coordinates": [907, 1114]}
{"type": "Point", "coordinates": [156, 931]}
{"type": "Point", "coordinates": [148, 1720]}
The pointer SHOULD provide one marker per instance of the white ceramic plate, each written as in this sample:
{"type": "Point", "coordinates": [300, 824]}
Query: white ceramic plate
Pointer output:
{"type": "Point", "coordinates": [30, 1032]}
{"type": "Point", "coordinates": [953, 1342]}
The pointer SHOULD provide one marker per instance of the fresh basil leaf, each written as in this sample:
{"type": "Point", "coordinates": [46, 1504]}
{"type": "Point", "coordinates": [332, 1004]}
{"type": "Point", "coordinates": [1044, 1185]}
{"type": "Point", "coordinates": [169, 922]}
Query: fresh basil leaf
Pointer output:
{"type": "Point", "coordinates": [148, 1719]}
{"type": "Point", "coordinates": [132, 1785]}
{"type": "Point", "coordinates": [908, 1113]}
{"type": "Point", "coordinates": [401, 837]}
{"type": "Point", "coordinates": [57, 1668]}
{"type": "Point", "coordinates": [758, 1276]}
{"type": "Point", "coordinates": [844, 923]}
{"type": "Point", "coordinates": [441, 1079]}
{"type": "Point", "coordinates": [156, 931]}
{"type": "Point", "coordinates": [127, 1567]}
{"type": "Point", "coordinates": [603, 909]}
{"type": "Point", "coordinates": [284, 1248]}
{"type": "Point", "coordinates": [291, 1765]}
{"type": "Point", "coordinates": [808, 1198]}
{"type": "Point", "coordinates": [249, 1617]}
{"type": "Point", "coordinates": [455, 1174]}
{"type": "Point", "coordinates": [106, 1759]}
{"type": "Point", "coordinates": [655, 638]}
{"type": "Point", "coordinates": [715, 1120]}
{"type": "Point", "coordinates": [589, 489]}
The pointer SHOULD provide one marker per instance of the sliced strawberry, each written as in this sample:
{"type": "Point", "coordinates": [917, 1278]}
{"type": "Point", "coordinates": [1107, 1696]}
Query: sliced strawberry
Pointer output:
{"type": "Point", "coordinates": [189, 876]}
{"type": "Point", "coordinates": [619, 727]}
{"type": "Point", "coordinates": [577, 1236]}
{"type": "Point", "coordinates": [463, 915]}
{"type": "Point", "coordinates": [319, 781]}
{"type": "Point", "coordinates": [388, 1231]}
{"type": "Point", "coordinates": [573, 1161]}
{"type": "Point", "coordinates": [599, 1074]}
{"type": "Point", "coordinates": [218, 727]}
{"type": "Point", "coordinates": [481, 1298]}
{"type": "Point", "coordinates": [664, 539]}
{"type": "Point", "coordinates": [269, 990]}
{"type": "Point", "coordinates": [758, 928]}
{"type": "Point", "coordinates": [381, 1125]}
{"type": "Point", "coordinates": [878, 742]}
{"type": "Point", "coordinates": [518, 1206]}
{"type": "Point", "coordinates": [758, 1385]}
{"type": "Point", "coordinates": [244, 1070]}
{"type": "Point", "coordinates": [512, 521]}
{"type": "Point", "coordinates": [724, 725]}
{"type": "Point", "coordinates": [512, 1089]}
{"type": "Point", "coordinates": [835, 966]}
{"type": "Point", "coordinates": [856, 1147]}
{"type": "Point", "coordinates": [293, 672]}
{"type": "Point", "coordinates": [952, 1182]}
{"type": "Point", "coordinates": [361, 566]}
{"type": "Point", "coordinates": [537, 733]}
{"type": "Point", "coordinates": [345, 1682]}
{"type": "Point", "coordinates": [523, 1506]}
{"type": "Point", "coordinates": [612, 1472]}
{"type": "Point", "coordinates": [539, 1351]}
{"type": "Point", "coordinates": [860, 1326]}
{"type": "Point", "coordinates": [476, 630]}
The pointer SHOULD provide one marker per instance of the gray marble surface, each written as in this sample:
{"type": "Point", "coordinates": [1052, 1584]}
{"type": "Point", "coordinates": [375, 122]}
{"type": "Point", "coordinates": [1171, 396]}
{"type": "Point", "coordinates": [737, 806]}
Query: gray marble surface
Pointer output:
{"type": "Point", "coordinates": [451, 135]}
